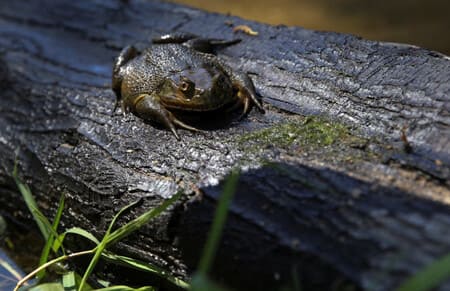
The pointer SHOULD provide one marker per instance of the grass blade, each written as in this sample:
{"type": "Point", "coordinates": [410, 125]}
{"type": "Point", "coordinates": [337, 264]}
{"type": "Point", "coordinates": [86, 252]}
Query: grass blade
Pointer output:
{"type": "Point", "coordinates": [42, 222]}
{"type": "Point", "coordinates": [98, 251]}
{"type": "Point", "coordinates": [201, 282]}
{"type": "Point", "coordinates": [61, 204]}
{"type": "Point", "coordinates": [74, 230]}
{"type": "Point", "coordinates": [125, 230]}
{"type": "Point", "coordinates": [102, 245]}
{"type": "Point", "coordinates": [145, 267]}
{"type": "Point", "coordinates": [218, 223]}
{"type": "Point", "coordinates": [48, 244]}
{"type": "Point", "coordinates": [47, 230]}
{"type": "Point", "coordinates": [140, 221]}
{"type": "Point", "coordinates": [119, 214]}
{"type": "Point", "coordinates": [430, 277]}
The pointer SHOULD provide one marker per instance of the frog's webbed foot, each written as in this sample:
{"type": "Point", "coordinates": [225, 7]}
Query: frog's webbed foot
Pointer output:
{"type": "Point", "coordinates": [148, 107]}
{"type": "Point", "coordinates": [204, 45]}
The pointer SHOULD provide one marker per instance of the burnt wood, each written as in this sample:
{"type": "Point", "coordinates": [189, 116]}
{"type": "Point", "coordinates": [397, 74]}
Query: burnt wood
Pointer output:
{"type": "Point", "coordinates": [367, 206]}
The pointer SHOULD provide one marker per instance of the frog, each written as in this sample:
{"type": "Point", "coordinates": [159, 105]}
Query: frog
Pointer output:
{"type": "Point", "coordinates": [180, 74]}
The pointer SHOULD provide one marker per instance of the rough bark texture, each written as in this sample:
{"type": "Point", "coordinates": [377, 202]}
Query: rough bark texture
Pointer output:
{"type": "Point", "coordinates": [360, 194]}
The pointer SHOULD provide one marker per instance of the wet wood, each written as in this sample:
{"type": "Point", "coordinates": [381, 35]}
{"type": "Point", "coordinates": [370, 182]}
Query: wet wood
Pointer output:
{"type": "Point", "coordinates": [367, 206]}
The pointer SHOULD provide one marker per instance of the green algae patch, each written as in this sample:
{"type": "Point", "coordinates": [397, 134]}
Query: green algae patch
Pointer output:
{"type": "Point", "coordinates": [307, 132]}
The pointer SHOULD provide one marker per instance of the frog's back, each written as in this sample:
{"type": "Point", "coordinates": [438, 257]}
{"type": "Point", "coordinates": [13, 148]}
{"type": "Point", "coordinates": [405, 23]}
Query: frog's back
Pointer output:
{"type": "Point", "coordinates": [173, 57]}
{"type": "Point", "coordinates": [145, 73]}
{"type": "Point", "coordinates": [140, 77]}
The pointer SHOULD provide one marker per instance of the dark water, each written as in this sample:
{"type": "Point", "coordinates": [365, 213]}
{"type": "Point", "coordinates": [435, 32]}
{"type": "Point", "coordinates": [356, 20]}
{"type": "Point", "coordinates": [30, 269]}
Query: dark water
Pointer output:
{"type": "Point", "coordinates": [424, 23]}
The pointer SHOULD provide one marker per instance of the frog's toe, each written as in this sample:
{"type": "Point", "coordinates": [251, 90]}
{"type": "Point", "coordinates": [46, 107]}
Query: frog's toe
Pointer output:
{"type": "Point", "coordinates": [184, 125]}
{"type": "Point", "coordinates": [148, 107]}
{"type": "Point", "coordinates": [246, 106]}
{"type": "Point", "coordinates": [247, 97]}
{"type": "Point", "coordinates": [174, 131]}
{"type": "Point", "coordinates": [258, 103]}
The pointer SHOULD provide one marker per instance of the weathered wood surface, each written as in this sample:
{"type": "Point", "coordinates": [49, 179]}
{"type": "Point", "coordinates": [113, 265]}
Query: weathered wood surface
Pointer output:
{"type": "Point", "coordinates": [362, 209]}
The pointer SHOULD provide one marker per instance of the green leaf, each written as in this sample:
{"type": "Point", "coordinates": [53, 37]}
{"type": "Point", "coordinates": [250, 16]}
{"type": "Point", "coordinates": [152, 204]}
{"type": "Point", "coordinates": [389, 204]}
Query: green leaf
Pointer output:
{"type": "Point", "coordinates": [218, 223]}
{"type": "Point", "coordinates": [126, 288]}
{"type": "Point", "coordinates": [430, 277]}
{"type": "Point", "coordinates": [48, 287]}
{"type": "Point", "coordinates": [71, 280]}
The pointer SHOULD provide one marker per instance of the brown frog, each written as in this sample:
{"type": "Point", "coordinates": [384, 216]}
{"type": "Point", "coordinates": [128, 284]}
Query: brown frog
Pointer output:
{"type": "Point", "coordinates": [179, 74]}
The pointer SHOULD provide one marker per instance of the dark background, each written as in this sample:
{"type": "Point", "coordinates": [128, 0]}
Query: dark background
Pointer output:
{"type": "Point", "coordinates": [425, 23]}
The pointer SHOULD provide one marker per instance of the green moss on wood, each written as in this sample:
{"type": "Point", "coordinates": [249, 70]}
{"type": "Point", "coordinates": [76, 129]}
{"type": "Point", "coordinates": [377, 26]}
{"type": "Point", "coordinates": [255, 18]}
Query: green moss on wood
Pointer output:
{"type": "Point", "coordinates": [309, 131]}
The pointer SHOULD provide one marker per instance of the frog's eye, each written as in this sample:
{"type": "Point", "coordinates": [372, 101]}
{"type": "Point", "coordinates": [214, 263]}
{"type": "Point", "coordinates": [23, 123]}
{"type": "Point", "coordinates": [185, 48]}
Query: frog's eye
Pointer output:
{"type": "Point", "coordinates": [187, 87]}
{"type": "Point", "coordinates": [184, 86]}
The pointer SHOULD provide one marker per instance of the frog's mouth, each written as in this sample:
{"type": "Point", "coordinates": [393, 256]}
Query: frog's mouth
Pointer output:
{"type": "Point", "coordinates": [196, 89]}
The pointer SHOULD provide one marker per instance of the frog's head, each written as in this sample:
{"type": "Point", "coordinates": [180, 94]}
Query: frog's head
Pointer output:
{"type": "Point", "coordinates": [196, 89]}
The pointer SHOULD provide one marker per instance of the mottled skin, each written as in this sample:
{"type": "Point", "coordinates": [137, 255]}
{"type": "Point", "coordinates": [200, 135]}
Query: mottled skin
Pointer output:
{"type": "Point", "coordinates": [178, 74]}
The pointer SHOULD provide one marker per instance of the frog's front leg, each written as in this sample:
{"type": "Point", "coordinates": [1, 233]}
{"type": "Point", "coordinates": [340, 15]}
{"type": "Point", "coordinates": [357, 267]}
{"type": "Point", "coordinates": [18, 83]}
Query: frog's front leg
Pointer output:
{"type": "Point", "coordinates": [245, 91]}
{"type": "Point", "coordinates": [127, 54]}
{"type": "Point", "coordinates": [242, 84]}
{"type": "Point", "coordinates": [148, 106]}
